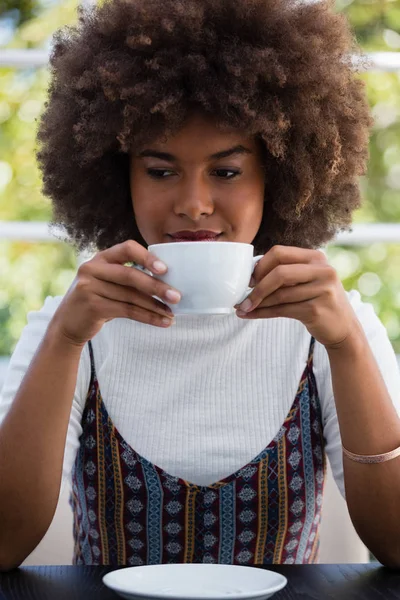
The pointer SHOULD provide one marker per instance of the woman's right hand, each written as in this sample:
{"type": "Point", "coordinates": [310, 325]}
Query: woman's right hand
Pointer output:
{"type": "Point", "coordinates": [105, 289]}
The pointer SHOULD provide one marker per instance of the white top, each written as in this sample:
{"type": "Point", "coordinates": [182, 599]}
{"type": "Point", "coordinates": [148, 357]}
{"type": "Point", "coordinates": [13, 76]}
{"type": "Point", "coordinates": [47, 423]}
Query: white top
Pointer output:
{"type": "Point", "coordinates": [204, 397]}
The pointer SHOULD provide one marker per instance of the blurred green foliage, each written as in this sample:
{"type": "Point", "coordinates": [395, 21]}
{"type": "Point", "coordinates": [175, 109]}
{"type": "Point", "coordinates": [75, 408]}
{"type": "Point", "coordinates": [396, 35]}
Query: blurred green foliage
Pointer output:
{"type": "Point", "coordinates": [31, 271]}
{"type": "Point", "coordinates": [18, 11]}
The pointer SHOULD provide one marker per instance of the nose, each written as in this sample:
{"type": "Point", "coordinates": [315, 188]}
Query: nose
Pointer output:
{"type": "Point", "coordinates": [194, 199]}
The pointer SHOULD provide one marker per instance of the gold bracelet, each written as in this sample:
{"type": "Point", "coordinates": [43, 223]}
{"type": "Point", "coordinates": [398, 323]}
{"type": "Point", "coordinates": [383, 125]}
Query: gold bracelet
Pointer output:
{"type": "Point", "coordinates": [373, 458]}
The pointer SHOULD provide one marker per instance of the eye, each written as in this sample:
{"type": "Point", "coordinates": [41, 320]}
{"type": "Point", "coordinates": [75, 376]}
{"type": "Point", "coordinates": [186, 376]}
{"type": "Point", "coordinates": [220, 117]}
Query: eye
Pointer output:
{"type": "Point", "coordinates": [159, 173]}
{"type": "Point", "coordinates": [227, 173]}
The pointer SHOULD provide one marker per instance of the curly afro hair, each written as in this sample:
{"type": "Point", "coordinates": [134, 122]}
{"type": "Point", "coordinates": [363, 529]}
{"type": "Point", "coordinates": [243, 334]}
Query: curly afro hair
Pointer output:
{"type": "Point", "coordinates": [132, 70]}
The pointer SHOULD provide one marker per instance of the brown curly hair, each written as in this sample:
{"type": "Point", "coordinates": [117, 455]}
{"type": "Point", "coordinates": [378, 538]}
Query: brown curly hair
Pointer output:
{"type": "Point", "coordinates": [131, 70]}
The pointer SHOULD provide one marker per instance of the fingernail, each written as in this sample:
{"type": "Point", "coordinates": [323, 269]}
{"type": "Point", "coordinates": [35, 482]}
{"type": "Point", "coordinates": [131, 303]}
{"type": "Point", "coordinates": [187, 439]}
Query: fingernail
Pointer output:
{"type": "Point", "coordinates": [173, 296]}
{"type": "Point", "coordinates": [167, 322]}
{"type": "Point", "coordinates": [240, 313]}
{"type": "Point", "coordinates": [159, 266]}
{"type": "Point", "coordinates": [246, 306]}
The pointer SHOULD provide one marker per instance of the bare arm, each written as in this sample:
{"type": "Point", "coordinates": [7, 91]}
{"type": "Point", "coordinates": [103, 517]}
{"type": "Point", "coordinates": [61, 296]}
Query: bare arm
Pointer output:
{"type": "Point", "coordinates": [32, 442]}
{"type": "Point", "coordinates": [299, 283]}
{"type": "Point", "coordinates": [33, 433]}
{"type": "Point", "coordinates": [368, 425]}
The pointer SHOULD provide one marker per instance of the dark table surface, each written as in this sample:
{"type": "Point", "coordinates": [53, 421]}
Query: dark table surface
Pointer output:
{"type": "Point", "coordinates": [319, 582]}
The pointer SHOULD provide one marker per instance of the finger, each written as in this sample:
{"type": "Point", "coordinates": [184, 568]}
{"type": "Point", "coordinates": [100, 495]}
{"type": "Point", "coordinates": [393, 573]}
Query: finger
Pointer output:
{"type": "Point", "coordinates": [132, 278]}
{"type": "Point", "coordinates": [290, 295]}
{"type": "Point", "coordinates": [297, 310]}
{"type": "Point", "coordinates": [119, 293]}
{"type": "Point", "coordinates": [283, 255]}
{"type": "Point", "coordinates": [124, 310]}
{"type": "Point", "coordinates": [131, 251]}
{"type": "Point", "coordinates": [281, 276]}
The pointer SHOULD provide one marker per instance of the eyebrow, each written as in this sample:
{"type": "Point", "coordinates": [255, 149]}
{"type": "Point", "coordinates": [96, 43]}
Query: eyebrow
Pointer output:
{"type": "Point", "coordinates": [218, 155]}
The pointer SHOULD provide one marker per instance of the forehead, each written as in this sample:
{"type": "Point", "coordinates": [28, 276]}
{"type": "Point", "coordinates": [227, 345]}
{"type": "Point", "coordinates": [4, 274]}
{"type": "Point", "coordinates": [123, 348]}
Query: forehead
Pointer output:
{"type": "Point", "coordinates": [200, 137]}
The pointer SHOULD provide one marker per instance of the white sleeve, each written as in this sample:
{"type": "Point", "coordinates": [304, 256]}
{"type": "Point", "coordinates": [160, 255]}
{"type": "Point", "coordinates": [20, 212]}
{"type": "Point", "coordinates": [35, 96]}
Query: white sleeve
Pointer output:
{"type": "Point", "coordinates": [386, 359]}
{"type": "Point", "coordinates": [25, 350]}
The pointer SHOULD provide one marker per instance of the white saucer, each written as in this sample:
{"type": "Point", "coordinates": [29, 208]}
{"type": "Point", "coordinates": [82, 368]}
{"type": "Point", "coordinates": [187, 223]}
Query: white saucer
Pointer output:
{"type": "Point", "coordinates": [194, 582]}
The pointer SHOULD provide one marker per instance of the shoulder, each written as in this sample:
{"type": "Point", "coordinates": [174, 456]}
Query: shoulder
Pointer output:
{"type": "Point", "coordinates": [31, 336]}
{"type": "Point", "coordinates": [379, 343]}
{"type": "Point", "coordinates": [36, 326]}
{"type": "Point", "coordinates": [44, 315]}
{"type": "Point", "coordinates": [372, 325]}
{"type": "Point", "coordinates": [26, 347]}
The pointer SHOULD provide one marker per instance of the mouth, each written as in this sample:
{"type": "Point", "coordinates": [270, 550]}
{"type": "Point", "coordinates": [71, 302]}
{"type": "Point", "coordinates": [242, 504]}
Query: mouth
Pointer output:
{"type": "Point", "coordinates": [195, 236]}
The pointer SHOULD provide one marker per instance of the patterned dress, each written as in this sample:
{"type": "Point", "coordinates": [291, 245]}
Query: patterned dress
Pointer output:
{"type": "Point", "coordinates": [128, 511]}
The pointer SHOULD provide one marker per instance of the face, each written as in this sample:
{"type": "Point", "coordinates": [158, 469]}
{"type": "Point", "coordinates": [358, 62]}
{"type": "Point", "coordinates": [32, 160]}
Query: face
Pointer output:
{"type": "Point", "coordinates": [199, 184]}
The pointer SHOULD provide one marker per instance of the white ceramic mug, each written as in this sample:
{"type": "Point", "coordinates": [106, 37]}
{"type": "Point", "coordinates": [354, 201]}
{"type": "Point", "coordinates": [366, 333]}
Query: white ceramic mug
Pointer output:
{"type": "Point", "coordinates": [212, 276]}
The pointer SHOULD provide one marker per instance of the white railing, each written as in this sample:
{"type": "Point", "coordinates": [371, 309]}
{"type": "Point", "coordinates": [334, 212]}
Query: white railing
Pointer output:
{"type": "Point", "coordinates": [362, 234]}
{"type": "Point", "coordinates": [22, 59]}
{"type": "Point", "coordinates": [29, 231]}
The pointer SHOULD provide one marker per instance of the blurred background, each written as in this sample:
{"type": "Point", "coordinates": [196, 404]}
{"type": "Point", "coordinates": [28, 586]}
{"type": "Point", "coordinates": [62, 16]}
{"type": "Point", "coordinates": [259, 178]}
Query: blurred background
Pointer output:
{"type": "Point", "coordinates": [33, 264]}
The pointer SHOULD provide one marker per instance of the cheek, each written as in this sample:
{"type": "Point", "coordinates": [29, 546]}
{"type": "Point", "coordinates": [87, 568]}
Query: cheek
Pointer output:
{"type": "Point", "coordinates": [151, 217]}
{"type": "Point", "coordinates": [145, 207]}
{"type": "Point", "coordinates": [252, 215]}
{"type": "Point", "coordinates": [257, 200]}
{"type": "Point", "coordinates": [146, 212]}
{"type": "Point", "coordinates": [247, 208]}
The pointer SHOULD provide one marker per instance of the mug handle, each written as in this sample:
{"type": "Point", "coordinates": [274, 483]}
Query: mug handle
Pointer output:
{"type": "Point", "coordinates": [256, 259]}
{"type": "Point", "coordinates": [143, 269]}
{"type": "Point", "coordinates": [248, 292]}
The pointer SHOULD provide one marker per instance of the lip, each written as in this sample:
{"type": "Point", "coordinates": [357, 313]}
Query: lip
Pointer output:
{"type": "Point", "coordinates": [195, 236]}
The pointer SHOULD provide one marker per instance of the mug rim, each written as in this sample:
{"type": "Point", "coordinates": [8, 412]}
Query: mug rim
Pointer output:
{"type": "Point", "coordinates": [198, 242]}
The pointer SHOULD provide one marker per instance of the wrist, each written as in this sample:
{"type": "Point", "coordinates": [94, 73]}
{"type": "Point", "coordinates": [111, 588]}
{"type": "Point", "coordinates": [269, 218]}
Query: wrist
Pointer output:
{"type": "Point", "coordinates": [59, 340]}
{"type": "Point", "coordinates": [352, 346]}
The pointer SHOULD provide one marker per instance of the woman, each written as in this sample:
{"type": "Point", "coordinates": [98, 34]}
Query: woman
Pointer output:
{"type": "Point", "coordinates": [203, 440]}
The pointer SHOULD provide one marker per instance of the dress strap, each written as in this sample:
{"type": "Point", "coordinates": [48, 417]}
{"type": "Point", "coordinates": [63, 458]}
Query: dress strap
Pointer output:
{"type": "Point", "coordinates": [92, 367]}
{"type": "Point", "coordinates": [311, 353]}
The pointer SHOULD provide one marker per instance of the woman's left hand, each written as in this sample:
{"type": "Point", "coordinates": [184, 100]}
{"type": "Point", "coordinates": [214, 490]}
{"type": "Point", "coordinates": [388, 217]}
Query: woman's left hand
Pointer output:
{"type": "Point", "coordinates": [300, 284]}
